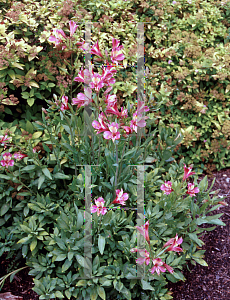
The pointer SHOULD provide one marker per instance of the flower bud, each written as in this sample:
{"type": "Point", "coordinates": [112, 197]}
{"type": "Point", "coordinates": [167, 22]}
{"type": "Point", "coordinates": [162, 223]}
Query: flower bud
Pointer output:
{"type": "Point", "coordinates": [223, 203]}
{"type": "Point", "coordinates": [205, 200]}
{"type": "Point", "coordinates": [44, 110]}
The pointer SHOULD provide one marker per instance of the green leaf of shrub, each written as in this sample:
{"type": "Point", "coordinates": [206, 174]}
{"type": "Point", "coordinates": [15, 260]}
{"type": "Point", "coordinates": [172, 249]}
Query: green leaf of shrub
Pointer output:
{"type": "Point", "coordinates": [146, 285]}
{"type": "Point", "coordinates": [101, 292]}
{"type": "Point", "coordinates": [40, 181]}
{"type": "Point", "coordinates": [66, 265]}
{"type": "Point", "coordinates": [101, 243]}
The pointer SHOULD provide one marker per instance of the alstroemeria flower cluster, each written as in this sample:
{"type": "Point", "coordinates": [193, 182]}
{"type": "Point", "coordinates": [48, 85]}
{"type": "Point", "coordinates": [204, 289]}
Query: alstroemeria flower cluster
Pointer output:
{"type": "Point", "coordinates": [7, 161]}
{"type": "Point", "coordinates": [116, 54]}
{"type": "Point", "coordinates": [99, 208]}
{"type": "Point", "coordinates": [157, 264]}
{"type": "Point", "coordinates": [95, 80]}
{"type": "Point", "coordinates": [111, 130]}
{"type": "Point", "coordinates": [192, 190]}
{"type": "Point", "coordinates": [59, 36]}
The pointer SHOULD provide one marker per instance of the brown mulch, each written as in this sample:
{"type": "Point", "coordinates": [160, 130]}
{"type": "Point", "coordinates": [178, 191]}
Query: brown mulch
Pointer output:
{"type": "Point", "coordinates": [203, 283]}
{"type": "Point", "coordinates": [212, 282]}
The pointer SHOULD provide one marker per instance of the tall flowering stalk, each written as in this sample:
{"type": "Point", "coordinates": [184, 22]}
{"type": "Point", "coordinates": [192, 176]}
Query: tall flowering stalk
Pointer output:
{"type": "Point", "coordinates": [148, 258]}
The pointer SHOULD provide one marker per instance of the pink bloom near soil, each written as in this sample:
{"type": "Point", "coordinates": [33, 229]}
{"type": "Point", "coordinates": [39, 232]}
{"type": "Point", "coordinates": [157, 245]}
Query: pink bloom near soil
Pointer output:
{"type": "Point", "coordinates": [159, 266]}
{"type": "Point", "coordinates": [187, 172]}
{"type": "Point", "coordinates": [174, 242]}
{"type": "Point", "coordinates": [192, 190]}
{"type": "Point", "coordinates": [167, 187]}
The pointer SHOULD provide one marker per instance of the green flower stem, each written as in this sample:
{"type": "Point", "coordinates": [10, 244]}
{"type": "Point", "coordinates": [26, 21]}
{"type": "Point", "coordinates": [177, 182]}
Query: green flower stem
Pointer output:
{"type": "Point", "coordinates": [58, 162]}
{"type": "Point", "coordinates": [120, 163]}
{"type": "Point", "coordinates": [98, 161]}
{"type": "Point", "coordinates": [99, 227]}
{"type": "Point", "coordinates": [72, 138]}
{"type": "Point", "coordinates": [116, 167]}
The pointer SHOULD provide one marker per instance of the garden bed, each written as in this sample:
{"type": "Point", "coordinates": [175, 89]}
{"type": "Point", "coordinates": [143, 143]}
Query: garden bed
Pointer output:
{"type": "Point", "coordinates": [210, 282]}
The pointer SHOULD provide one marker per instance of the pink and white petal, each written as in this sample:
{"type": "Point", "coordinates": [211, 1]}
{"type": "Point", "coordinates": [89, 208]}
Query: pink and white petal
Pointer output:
{"type": "Point", "coordinates": [107, 135]}
{"type": "Point", "coordinates": [170, 269]}
{"type": "Point", "coordinates": [177, 249]}
{"type": "Point", "coordinates": [179, 241]}
{"type": "Point", "coordinates": [162, 269]}
{"type": "Point", "coordinates": [140, 260]}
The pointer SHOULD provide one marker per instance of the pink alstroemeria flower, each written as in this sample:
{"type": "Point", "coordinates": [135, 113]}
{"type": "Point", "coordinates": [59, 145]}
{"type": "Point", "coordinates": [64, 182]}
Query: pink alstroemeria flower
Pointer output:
{"type": "Point", "coordinates": [56, 37]}
{"type": "Point", "coordinates": [192, 190]}
{"type": "Point", "coordinates": [116, 52]}
{"type": "Point", "coordinates": [137, 121]}
{"type": "Point", "coordinates": [141, 107]}
{"type": "Point", "coordinates": [19, 155]}
{"type": "Point", "coordinates": [83, 76]}
{"type": "Point", "coordinates": [145, 256]}
{"type": "Point", "coordinates": [127, 129]}
{"type": "Point", "coordinates": [7, 161]}
{"type": "Point", "coordinates": [83, 99]}
{"type": "Point", "coordinates": [99, 207]}
{"type": "Point", "coordinates": [112, 109]}
{"type": "Point", "coordinates": [167, 187]}
{"type": "Point", "coordinates": [121, 197]}
{"type": "Point", "coordinates": [64, 105]}
{"type": "Point", "coordinates": [187, 172]}
{"type": "Point", "coordinates": [124, 113]}
{"type": "Point", "coordinates": [113, 132]}
{"type": "Point", "coordinates": [97, 82]}
{"type": "Point", "coordinates": [34, 150]}
{"type": "Point", "coordinates": [72, 27]}
{"type": "Point", "coordinates": [144, 230]}
{"type": "Point", "coordinates": [3, 139]}
{"type": "Point", "coordinates": [101, 126]}
{"type": "Point", "coordinates": [95, 50]}
{"type": "Point", "coordinates": [174, 242]}
{"type": "Point", "coordinates": [160, 266]}
{"type": "Point", "coordinates": [110, 99]}
{"type": "Point", "coordinates": [59, 34]}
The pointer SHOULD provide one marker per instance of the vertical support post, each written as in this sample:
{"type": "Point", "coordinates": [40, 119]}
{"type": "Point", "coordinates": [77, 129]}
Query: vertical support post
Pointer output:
{"type": "Point", "coordinates": [88, 222]}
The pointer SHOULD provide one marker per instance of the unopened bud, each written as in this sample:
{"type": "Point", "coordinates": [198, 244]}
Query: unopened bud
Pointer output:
{"type": "Point", "coordinates": [55, 97]}
{"type": "Point", "coordinates": [223, 203]}
{"type": "Point", "coordinates": [39, 123]}
{"type": "Point", "coordinates": [205, 200]}
{"type": "Point", "coordinates": [44, 110]}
